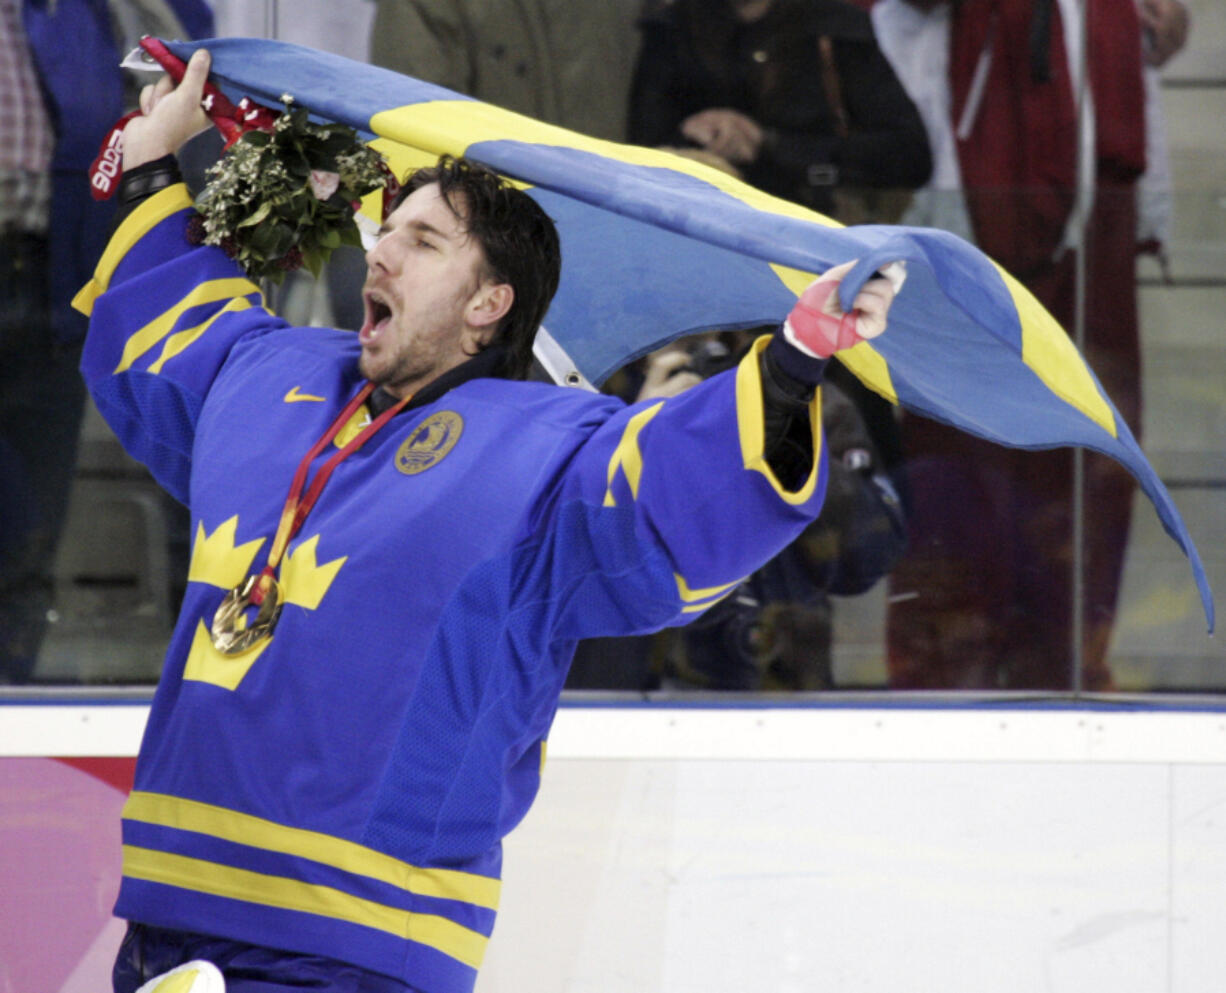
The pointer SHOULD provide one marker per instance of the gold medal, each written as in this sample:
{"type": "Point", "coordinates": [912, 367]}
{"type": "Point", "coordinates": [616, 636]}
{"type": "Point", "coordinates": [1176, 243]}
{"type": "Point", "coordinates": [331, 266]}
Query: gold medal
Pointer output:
{"type": "Point", "coordinates": [231, 639]}
{"type": "Point", "coordinates": [233, 632]}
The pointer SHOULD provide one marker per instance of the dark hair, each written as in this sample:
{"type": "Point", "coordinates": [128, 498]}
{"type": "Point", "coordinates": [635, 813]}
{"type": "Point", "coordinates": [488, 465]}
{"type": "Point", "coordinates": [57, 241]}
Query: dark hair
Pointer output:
{"type": "Point", "coordinates": [518, 239]}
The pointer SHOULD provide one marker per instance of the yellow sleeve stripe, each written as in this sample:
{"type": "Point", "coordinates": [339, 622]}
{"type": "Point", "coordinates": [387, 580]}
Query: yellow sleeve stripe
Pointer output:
{"type": "Point", "coordinates": [135, 226]}
{"type": "Point", "coordinates": [180, 341]}
{"type": "Point", "coordinates": [255, 832]}
{"type": "Point", "coordinates": [698, 608]}
{"type": "Point", "coordinates": [691, 596]}
{"type": "Point", "coordinates": [627, 455]}
{"type": "Point", "coordinates": [208, 292]}
{"type": "Point", "coordinates": [751, 423]}
{"type": "Point", "coordinates": [699, 600]}
{"type": "Point", "coordinates": [437, 932]}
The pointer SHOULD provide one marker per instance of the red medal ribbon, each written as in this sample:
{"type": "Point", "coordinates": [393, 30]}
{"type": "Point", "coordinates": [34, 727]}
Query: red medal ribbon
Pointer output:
{"type": "Point", "coordinates": [107, 168]}
{"type": "Point", "coordinates": [297, 506]}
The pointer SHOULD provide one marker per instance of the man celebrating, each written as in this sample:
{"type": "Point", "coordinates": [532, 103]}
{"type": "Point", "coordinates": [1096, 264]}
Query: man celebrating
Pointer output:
{"type": "Point", "coordinates": [397, 546]}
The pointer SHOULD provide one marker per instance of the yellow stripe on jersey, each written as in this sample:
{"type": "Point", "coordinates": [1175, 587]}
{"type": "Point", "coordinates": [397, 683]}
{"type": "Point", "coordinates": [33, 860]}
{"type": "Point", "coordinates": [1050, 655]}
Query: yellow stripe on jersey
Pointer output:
{"type": "Point", "coordinates": [135, 226]}
{"type": "Point", "coordinates": [200, 876]}
{"type": "Point", "coordinates": [212, 291]}
{"type": "Point", "coordinates": [181, 340]}
{"type": "Point", "coordinates": [693, 596]}
{"type": "Point", "coordinates": [230, 825]}
{"type": "Point", "coordinates": [698, 608]}
{"type": "Point", "coordinates": [750, 415]}
{"type": "Point", "coordinates": [627, 455]}
{"type": "Point", "coordinates": [696, 601]}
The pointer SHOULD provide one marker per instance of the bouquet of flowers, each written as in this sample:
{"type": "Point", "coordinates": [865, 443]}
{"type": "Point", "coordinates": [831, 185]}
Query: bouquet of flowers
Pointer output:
{"type": "Point", "coordinates": [286, 197]}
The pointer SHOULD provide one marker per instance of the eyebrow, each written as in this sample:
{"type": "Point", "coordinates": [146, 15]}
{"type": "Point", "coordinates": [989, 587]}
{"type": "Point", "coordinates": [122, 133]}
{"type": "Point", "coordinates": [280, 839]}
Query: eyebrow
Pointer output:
{"type": "Point", "coordinates": [420, 227]}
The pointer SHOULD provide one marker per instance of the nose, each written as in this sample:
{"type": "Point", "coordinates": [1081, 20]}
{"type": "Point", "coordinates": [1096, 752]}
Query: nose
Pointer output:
{"type": "Point", "coordinates": [374, 256]}
{"type": "Point", "coordinates": [381, 255]}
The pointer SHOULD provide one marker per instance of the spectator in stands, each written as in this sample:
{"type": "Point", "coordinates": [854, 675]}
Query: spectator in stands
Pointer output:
{"type": "Point", "coordinates": [61, 90]}
{"type": "Point", "coordinates": [794, 93]}
{"type": "Point", "coordinates": [558, 61]}
{"type": "Point", "coordinates": [969, 613]}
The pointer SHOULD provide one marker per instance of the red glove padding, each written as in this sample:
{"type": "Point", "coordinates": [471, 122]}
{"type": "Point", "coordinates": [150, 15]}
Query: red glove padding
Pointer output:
{"type": "Point", "coordinates": [818, 325]}
{"type": "Point", "coordinates": [815, 331]}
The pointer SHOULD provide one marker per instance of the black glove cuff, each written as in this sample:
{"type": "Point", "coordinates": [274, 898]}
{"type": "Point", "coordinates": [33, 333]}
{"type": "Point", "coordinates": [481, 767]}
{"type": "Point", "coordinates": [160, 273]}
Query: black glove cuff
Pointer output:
{"type": "Point", "coordinates": [796, 372]}
{"type": "Point", "coordinates": [147, 179]}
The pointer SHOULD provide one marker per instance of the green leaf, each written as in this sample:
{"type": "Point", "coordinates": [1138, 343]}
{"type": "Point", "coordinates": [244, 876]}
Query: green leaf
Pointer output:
{"type": "Point", "coordinates": [283, 239]}
{"type": "Point", "coordinates": [261, 212]}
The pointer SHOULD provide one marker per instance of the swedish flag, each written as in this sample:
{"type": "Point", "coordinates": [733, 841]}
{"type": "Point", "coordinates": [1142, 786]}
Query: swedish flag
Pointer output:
{"type": "Point", "coordinates": [656, 246]}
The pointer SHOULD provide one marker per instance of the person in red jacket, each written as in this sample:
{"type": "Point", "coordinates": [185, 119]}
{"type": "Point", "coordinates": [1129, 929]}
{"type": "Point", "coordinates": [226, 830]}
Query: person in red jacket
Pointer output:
{"type": "Point", "coordinates": [1047, 156]}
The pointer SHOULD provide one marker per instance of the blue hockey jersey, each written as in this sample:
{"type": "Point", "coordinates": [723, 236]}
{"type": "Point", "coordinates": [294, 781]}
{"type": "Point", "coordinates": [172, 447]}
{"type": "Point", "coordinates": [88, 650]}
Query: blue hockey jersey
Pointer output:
{"type": "Point", "coordinates": [343, 787]}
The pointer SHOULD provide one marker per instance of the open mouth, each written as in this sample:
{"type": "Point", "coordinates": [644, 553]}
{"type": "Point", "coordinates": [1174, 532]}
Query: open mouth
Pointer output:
{"type": "Point", "coordinates": [378, 313]}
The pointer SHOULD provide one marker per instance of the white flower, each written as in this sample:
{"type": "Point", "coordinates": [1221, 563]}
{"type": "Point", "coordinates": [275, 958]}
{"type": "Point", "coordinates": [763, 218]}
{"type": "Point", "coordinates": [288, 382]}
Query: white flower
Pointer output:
{"type": "Point", "coordinates": [323, 183]}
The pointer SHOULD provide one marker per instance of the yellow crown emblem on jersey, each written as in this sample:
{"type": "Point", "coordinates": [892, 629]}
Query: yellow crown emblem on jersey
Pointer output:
{"type": "Point", "coordinates": [306, 582]}
{"type": "Point", "coordinates": [217, 560]}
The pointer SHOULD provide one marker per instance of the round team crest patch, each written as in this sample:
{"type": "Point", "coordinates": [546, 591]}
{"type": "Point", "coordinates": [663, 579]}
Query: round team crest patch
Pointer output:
{"type": "Point", "coordinates": [430, 442]}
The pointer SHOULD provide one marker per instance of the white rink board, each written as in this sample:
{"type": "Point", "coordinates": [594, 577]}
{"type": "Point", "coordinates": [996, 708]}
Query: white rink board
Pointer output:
{"type": "Point", "coordinates": [866, 876]}
{"type": "Point", "coordinates": [849, 849]}
{"type": "Point", "coordinates": [978, 733]}
{"type": "Point", "coordinates": [870, 851]}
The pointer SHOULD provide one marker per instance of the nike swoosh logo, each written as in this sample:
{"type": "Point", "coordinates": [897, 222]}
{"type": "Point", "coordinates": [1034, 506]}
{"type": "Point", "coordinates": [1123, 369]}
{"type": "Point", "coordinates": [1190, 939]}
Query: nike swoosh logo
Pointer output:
{"type": "Point", "coordinates": [293, 396]}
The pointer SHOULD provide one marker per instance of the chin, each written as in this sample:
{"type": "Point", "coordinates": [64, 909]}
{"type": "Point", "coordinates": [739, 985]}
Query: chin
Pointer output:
{"type": "Point", "coordinates": [370, 370]}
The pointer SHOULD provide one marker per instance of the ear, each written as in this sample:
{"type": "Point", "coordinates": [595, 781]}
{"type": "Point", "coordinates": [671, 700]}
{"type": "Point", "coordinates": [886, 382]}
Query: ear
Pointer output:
{"type": "Point", "coordinates": [489, 305]}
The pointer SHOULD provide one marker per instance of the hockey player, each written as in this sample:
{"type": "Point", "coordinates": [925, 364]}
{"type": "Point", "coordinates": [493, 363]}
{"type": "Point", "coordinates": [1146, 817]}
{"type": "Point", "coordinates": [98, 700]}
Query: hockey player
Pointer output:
{"type": "Point", "coordinates": [397, 544]}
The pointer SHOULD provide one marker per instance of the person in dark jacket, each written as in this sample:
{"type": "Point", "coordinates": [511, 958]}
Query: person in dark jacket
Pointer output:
{"type": "Point", "coordinates": [795, 94]}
